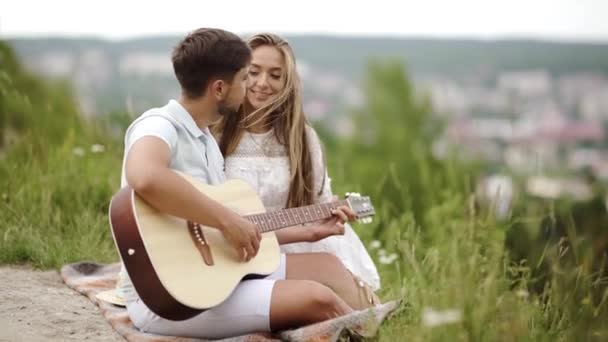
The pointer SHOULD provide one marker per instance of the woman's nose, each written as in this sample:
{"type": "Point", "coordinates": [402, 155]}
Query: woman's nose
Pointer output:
{"type": "Point", "coordinates": [262, 80]}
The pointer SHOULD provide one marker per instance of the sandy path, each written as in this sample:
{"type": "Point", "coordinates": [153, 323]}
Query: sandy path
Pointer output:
{"type": "Point", "coordinates": [38, 306]}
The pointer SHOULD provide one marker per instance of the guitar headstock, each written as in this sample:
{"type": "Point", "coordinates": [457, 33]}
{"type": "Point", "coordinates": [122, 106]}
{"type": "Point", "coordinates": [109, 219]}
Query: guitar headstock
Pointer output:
{"type": "Point", "coordinates": [362, 206]}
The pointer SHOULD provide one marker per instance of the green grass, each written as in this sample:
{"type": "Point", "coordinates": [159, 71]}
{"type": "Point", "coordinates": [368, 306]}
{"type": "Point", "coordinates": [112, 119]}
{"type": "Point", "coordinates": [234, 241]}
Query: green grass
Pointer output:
{"type": "Point", "coordinates": [453, 254]}
{"type": "Point", "coordinates": [54, 210]}
{"type": "Point", "coordinates": [53, 201]}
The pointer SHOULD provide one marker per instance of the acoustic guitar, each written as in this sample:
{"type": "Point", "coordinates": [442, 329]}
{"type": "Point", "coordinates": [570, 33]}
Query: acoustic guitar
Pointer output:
{"type": "Point", "coordinates": [180, 268]}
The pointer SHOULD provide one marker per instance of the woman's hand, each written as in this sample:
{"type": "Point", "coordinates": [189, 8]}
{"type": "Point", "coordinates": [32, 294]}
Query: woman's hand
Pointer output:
{"type": "Point", "coordinates": [331, 226]}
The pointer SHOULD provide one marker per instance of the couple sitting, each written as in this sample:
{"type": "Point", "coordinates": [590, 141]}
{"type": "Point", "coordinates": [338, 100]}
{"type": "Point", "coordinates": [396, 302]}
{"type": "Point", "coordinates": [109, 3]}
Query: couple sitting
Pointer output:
{"type": "Point", "coordinates": [247, 97]}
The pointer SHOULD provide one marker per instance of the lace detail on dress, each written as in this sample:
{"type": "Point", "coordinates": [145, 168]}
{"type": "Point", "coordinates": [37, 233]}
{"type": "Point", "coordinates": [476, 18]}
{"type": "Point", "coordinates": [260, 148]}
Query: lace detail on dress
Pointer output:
{"type": "Point", "coordinates": [255, 152]}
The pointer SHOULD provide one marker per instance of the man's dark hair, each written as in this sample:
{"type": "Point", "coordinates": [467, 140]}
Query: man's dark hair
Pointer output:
{"type": "Point", "coordinates": [208, 54]}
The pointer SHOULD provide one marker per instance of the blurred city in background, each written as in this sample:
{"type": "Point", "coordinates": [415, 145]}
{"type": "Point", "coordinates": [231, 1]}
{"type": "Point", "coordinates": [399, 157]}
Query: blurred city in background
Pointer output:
{"type": "Point", "coordinates": [535, 108]}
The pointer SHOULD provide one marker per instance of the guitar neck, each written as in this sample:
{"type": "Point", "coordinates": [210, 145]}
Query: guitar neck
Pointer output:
{"type": "Point", "coordinates": [279, 219]}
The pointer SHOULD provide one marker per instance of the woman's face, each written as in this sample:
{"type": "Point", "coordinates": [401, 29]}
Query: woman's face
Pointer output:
{"type": "Point", "coordinates": [266, 77]}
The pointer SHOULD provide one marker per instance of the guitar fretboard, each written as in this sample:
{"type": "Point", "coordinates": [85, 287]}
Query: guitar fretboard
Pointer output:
{"type": "Point", "coordinates": [290, 217]}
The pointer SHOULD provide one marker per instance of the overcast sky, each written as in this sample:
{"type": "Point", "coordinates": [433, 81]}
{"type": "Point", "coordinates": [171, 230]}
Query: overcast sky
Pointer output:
{"type": "Point", "coordinates": [570, 20]}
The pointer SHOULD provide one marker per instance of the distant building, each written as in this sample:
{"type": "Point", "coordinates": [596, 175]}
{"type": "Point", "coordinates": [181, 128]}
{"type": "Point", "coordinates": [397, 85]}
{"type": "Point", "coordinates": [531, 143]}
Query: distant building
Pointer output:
{"type": "Point", "coordinates": [53, 64]}
{"type": "Point", "coordinates": [526, 83]}
{"type": "Point", "coordinates": [146, 63]}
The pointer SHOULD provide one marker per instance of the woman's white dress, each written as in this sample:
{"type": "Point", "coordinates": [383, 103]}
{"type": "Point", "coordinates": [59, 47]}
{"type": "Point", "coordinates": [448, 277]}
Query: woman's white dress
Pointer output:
{"type": "Point", "coordinates": [263, 163]}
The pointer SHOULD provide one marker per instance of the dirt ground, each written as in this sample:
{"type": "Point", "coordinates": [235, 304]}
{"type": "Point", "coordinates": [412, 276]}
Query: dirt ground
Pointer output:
{"type": "Point", "coordinates": [38, 306]}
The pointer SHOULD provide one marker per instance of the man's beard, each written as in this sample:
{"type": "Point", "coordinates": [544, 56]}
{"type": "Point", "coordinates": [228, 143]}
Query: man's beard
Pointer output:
{"type": "Point", "coordinates": [225, 110]}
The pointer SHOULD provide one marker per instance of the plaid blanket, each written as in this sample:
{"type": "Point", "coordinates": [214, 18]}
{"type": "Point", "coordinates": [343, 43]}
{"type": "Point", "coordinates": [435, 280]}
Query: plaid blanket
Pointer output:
{"type": "Point", "coordinates": [91, 278]}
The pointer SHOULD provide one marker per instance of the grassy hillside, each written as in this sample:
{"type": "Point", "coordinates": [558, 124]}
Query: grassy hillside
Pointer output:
{"type": "Point", "coordinates": [437, 246]}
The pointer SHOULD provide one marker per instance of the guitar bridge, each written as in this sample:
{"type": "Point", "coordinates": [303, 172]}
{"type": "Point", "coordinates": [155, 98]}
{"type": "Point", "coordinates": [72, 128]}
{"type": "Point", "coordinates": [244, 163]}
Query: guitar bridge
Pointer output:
{"type": "Point", "coordinates": [197, 236]}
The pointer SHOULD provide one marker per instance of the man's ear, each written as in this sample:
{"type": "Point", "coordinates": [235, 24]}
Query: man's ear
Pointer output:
{"type": "Point", "coordinates": [219, 89]}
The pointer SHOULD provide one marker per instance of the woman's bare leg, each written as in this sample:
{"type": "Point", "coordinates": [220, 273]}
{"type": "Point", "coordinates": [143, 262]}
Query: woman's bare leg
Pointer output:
{"type": "Point", "coordinates": [296, 303]}
{"type": "Point", "coordinates": [327, 269]}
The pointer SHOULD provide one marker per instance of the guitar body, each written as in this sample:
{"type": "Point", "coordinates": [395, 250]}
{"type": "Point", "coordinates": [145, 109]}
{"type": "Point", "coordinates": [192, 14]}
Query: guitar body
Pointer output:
{"type": "Point", "coordinates": [177, 271]}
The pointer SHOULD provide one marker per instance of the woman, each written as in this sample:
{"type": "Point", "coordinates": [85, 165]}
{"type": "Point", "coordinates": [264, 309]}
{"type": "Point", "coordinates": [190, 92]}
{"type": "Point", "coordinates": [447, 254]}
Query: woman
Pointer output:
{"type": "Point", "coordinates": [271, 145]}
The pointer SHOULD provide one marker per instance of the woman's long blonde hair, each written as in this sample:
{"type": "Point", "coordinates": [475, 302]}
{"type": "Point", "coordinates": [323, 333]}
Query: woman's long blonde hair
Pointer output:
{"type": "Point", "coordinates": [286, 116]}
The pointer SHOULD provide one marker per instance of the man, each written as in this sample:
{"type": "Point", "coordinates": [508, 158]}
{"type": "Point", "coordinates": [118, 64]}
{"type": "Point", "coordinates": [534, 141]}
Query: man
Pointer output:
{"type": "Point", "coordinates": [211, 66]}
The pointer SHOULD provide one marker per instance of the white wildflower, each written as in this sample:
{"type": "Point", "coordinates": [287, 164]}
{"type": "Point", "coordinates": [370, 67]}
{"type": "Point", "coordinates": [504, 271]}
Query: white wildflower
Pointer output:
{"type": "Point", "coordinates": [381, 252]}
{"type": "Point", "coordinates": [388, 259]}
{"type": "Point", "coordinates": [375, 244]}
{"type": "Point", "coordinates": [78, 151]}
{"type": "Point", "coordinates": [522, 294]}
{"type": "Point", "coordinates": [432, 318]}
{"type": "Point", "coordinates": [97, 148]}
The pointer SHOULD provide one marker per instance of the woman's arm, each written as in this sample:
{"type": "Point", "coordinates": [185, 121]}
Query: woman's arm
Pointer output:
{"type": "Point", "coordinates": [298, 233]}
{"type": "Point", "coordinates": [316, 231]}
